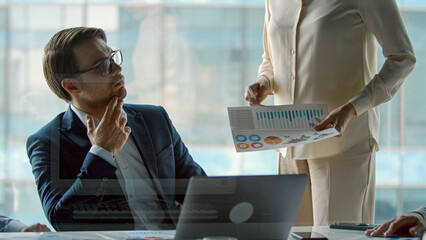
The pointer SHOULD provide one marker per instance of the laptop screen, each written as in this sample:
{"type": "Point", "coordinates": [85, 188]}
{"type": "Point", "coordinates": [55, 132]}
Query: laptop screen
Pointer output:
{"type": "Point", "coordinates": [243, 207]}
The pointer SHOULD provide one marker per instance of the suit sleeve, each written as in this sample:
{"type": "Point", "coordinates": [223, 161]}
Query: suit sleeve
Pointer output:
{"type": "Point", "coordinates": [421, 211]}
{"type": "Point", "coordinates": [383, 19]}
{"type": "Point", "coordinates": [266, 68]}
{"type": "Point", "coordinates": [10, 225]}
{"type": "Point", "coordinates": [58, 194]}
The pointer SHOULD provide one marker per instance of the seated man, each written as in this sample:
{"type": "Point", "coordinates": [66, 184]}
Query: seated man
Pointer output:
{"type": "Point", "coordinates": [411, 224]}
{"type": "Point", "coordinates": [12, 225]}
{"type": "Point", "coordinates": [103, 164]}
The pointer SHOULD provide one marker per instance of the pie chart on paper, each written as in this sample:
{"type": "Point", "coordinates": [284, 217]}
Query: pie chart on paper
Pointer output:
{"type": "Point", "coordinates": [273, 140]}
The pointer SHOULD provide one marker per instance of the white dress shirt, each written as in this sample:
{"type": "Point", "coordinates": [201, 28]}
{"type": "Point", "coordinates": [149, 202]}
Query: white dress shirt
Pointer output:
{"type": "Point", "coordinates": [325, 51]}
{"type": "Point", "coordinates": [134, 180]}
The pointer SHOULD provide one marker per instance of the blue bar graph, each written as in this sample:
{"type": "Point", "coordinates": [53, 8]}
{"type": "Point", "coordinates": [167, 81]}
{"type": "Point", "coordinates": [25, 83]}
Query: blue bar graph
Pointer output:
{"type": "Point", "coordinates": [290, 117]}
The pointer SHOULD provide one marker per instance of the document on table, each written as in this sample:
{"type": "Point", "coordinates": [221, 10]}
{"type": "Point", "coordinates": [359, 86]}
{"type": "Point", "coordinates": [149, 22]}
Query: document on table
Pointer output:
{"type": "Point", "coordinates": [271, 127]}
{"type": "Point", "coordinates": [89, 235]}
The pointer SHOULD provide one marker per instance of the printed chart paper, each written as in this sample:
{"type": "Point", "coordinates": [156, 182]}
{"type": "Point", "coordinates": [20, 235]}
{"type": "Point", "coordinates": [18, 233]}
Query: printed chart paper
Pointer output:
{"type": "Point", "coordinates": [270, 127]}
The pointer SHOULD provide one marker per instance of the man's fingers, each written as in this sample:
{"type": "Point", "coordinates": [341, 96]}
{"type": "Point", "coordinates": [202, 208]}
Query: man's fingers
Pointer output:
{"type": "Point", "coordinates": [404, 224]}
{"type": "Point", "coordinates": [118, 110]}
{"type": "Point", "coordinates": [123, 120]}
{"type": "Point", "coordinates": [110, 108]}
{"type": "Point", "coordinates": [114, 111]}
{"type": "Point", "coordinates": [128, 130]}
{"type": "Point", "coordinates": [368, 232]}
{"type": "Point", "coordinates": [416, 230]}
{"type": "Point", "coordinates": [377, 231]}
{"type": "Point", "coordinates": [43, 228]}
{"type": "Point", "coordinates": [35, 228]}
{"type": "Point", "coordinates": [395, 225]}
{"type": "Point", "coordinates": [90, 123]}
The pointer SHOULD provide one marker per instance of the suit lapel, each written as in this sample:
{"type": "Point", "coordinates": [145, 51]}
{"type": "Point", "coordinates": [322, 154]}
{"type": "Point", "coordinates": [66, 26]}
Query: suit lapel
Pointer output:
{"type": "Point", "coordinates": [75, 130]}
{"type": "Point", "coordinates": [142, 138]}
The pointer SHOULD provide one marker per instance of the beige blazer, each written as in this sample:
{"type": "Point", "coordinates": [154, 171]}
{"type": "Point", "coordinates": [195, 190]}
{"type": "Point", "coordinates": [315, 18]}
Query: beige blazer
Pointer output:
{"type": "Point", "coordinates": [325, 51]}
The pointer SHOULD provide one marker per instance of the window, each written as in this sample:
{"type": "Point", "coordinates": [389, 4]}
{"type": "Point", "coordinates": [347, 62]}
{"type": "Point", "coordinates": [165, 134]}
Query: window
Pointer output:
{"type": "Point", "coordinates": [194, 59]}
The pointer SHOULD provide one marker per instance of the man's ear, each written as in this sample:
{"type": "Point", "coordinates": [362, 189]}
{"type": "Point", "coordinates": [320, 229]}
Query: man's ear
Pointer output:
{"type": "Point", "coordinates": [71, 85]}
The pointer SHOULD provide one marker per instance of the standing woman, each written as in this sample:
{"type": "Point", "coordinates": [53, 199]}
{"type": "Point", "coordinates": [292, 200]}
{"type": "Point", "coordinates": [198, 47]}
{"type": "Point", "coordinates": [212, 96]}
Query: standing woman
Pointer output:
{"type": "Point", "coordinates": [325, 51]}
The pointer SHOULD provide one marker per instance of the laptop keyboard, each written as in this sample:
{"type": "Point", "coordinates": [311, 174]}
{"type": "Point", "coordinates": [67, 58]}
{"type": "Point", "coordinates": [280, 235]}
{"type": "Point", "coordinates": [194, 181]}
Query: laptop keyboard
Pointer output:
{"type": "Point", "coordinates": [120, 210]}
{"type": "Point", "coordinates": [115, 210]}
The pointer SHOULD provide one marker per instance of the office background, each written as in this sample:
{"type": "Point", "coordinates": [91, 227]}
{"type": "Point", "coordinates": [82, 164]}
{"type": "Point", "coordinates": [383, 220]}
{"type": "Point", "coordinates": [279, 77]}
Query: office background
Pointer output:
{"type": "Point", "coordinates": [195, 58]}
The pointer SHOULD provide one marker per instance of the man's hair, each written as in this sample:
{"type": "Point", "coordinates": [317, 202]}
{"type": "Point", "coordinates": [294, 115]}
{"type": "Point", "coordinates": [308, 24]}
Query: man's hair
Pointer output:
{"type": "Point", "coordinates": [59, 60]}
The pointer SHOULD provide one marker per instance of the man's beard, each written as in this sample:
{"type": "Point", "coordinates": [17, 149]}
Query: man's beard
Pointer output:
{"type": "Point", "coordinates": [121, 93]}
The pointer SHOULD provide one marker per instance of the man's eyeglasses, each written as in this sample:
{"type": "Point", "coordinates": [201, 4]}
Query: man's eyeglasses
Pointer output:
{"type": "Point", "coordinates": [105, 67]}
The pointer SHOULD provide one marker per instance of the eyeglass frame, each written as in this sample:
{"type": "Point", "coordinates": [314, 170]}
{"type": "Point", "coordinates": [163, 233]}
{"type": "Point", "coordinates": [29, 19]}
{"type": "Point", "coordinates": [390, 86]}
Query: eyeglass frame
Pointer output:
{"type": "Point", "coordinates": [110, 59]}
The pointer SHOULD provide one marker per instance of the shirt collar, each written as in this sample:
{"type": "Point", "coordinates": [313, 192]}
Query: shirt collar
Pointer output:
{"type": "Point", "coordinates": [82, 115]}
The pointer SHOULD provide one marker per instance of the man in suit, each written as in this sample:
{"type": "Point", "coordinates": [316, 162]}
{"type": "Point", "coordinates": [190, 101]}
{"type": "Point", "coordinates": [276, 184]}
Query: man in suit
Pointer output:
{"type": "Point", "coordinates": [13, 225]}
{"type": "Point", "coordinates": [103, 164]}
{"type": "Point", "coordinates": [411, 224]}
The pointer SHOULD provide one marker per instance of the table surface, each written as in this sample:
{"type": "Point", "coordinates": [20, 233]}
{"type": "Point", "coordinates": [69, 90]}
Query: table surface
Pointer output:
{"type": "Point", "coordinates": [332, 234]}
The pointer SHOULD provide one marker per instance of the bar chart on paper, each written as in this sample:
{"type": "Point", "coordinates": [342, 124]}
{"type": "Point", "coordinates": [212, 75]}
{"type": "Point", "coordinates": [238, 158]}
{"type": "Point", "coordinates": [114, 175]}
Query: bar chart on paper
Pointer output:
{"type": "Point", "coordinates": [271, 127]}
{"type": "Point", "coordinates": [296, 118]}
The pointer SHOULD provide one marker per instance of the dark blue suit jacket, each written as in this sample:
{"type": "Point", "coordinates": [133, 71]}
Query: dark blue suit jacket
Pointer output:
{"type": "Point", "coordinates": [76, 187]}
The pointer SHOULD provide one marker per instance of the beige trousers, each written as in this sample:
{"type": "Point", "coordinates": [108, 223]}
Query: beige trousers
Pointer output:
{"type": "Point", "coordinates": [340, 188]}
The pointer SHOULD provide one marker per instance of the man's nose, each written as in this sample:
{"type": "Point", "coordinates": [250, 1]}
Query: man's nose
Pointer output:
{"type": "Point", "coordinates": [115, 68]}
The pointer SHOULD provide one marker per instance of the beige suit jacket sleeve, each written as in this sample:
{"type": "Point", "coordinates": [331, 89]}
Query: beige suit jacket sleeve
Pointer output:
{"type": "Point", "coordinates": [384, 21]}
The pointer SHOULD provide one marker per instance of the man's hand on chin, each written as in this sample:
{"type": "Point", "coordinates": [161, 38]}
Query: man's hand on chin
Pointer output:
{"type": "Point", "coordinates": [112, 132]}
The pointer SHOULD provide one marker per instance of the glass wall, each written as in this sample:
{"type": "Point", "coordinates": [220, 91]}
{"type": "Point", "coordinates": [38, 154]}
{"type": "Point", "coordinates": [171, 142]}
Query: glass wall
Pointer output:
{"type": "Point", "coordinates": [195, 59]}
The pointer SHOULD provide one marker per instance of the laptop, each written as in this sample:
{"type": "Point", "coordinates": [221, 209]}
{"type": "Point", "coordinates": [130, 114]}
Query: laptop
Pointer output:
{"type": "Point", "coordinates": [241, 207]}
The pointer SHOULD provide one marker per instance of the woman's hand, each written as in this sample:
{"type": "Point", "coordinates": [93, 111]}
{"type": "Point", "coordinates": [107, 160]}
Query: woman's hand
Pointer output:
{"type": "Point", "coordinates": [338, 118]}
{"type": "Point", "coordinates": [259, 91]}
